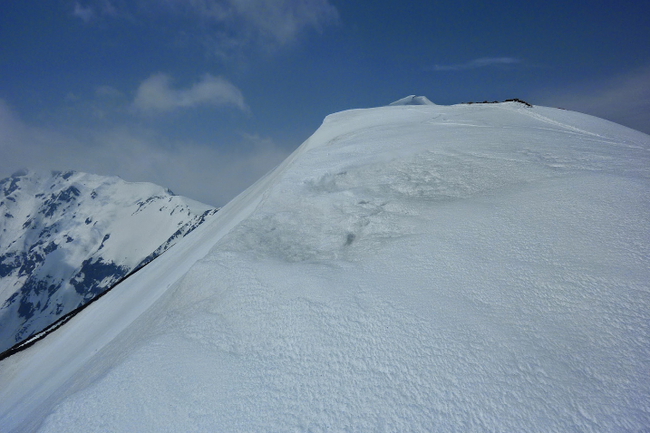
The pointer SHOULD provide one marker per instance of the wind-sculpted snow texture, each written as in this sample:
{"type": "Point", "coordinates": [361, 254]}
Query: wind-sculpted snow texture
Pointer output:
{"type": "Point", "coordinates": [464, 268]}
{"type": "Point", "coordinates": [67, 237]}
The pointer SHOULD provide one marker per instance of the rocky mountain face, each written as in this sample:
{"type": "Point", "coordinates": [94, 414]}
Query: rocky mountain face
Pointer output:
{"type": "Point", "coordinates": [67, 237]}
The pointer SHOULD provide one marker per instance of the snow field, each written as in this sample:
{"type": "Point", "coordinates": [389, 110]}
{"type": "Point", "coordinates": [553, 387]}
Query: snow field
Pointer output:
{"type": "Point", "coordinates": [464, 268]}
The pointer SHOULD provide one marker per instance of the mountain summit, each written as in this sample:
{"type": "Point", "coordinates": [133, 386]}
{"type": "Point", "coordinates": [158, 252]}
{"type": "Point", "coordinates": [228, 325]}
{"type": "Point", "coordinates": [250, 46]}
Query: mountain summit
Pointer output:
{"type": "Point", "coordinates": [412, 100]}
{"type": "Point", "coordinates": [67, 237]}
{"type": "Point", "coordinates": [466, 268]}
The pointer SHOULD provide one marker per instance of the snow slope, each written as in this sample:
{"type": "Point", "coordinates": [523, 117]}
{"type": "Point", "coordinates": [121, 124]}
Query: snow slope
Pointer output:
{"type": "Point", "coordinates": [67, 237]}
{"type": "Point", "coordinates": [408, 268]}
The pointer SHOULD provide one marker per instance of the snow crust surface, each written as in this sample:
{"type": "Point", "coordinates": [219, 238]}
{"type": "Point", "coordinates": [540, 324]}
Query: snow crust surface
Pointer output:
{"type": "Point", "coordinates": [408, 268]}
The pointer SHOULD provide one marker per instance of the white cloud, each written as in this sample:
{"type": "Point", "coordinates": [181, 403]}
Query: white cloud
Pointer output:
{"type": "Point", "coordinates": [624, 98]}
{"type": "Point", "coordinates": [155, 94]}
{"type": "Point", "coordinates": [197, 170]}
{"type": "Point", "coordinates": [482, 62]}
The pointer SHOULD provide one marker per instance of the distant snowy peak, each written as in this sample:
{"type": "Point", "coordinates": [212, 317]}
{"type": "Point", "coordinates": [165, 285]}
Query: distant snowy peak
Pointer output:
{"type": "Point", "coordinates": [413, 100]}
{"type": "Point", "coordinates": [66, 237]}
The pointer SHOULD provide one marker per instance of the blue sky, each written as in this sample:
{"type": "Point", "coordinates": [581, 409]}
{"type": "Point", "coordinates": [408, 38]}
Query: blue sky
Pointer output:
{"type": "Point", "coordinates": [205, 96]}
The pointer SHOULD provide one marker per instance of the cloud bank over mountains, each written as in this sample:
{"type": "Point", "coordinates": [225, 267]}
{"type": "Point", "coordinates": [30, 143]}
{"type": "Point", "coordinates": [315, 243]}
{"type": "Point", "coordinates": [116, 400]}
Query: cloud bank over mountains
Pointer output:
{"type": "Point", "coordinates": [204, 172]}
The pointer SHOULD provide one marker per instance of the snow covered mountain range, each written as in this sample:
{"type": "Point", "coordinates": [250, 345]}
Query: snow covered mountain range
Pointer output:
{"type": "Point", "coordinates": [465, 268]}
{"type": "Point", "coordinates": [67, 237]}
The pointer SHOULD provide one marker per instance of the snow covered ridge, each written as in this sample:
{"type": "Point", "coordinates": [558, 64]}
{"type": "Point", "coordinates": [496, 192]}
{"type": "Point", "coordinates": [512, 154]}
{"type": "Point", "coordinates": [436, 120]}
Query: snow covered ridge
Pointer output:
{"type": "Point", "coordinates": [409, 268]}
{"type": "Point", "coordinates": [67, 237]}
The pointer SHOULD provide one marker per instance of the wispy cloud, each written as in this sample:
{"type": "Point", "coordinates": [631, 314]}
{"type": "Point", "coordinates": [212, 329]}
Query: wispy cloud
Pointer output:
{"type": "Point", "coordinates": [156, 94]}
{"type": "Point", "coordinates": [92, 10]}
{"type": "Point", "coordinates": [483, 62]}
{"type": "Point", "coordinates": [226, 27]}
{"type": "Point", "coordinates": [623, 98]}
{"type": "Point", "coordinates": [280, 22]}
{"type": "Point", "coordinates": [84, 13]}
{"type": "Point", "coordinates": [199, 170]}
